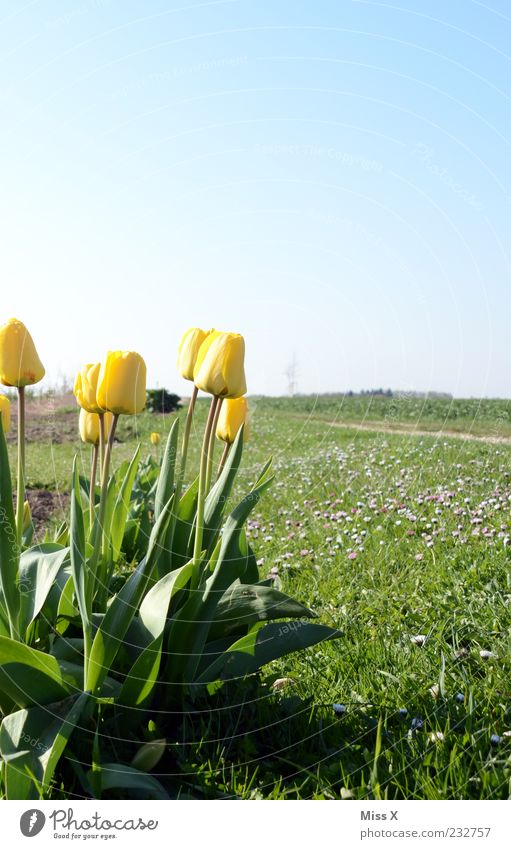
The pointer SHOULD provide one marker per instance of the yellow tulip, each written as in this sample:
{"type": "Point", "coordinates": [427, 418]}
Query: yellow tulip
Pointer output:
{"type": "Point", "coordinates": [233, 414]}
{"type": "Point", "coordinates": [5, 411]}
{"type": "Point", "coordinates": [122, 383]}
{"type": "Point", "coordinates": [155, 438]}
{"type": "Point", "coordinates": [220, 365]}
{"type": "Point", "coordinates": [85, 387]}
{"type": "Point", "coordinates": [188, 350]}
{"type": "Point", "coordinates": [27, 516]}
{"type": "Point", "coordinates": [88, 425]}
{"type": "Point", "coordinates": [19, 361]}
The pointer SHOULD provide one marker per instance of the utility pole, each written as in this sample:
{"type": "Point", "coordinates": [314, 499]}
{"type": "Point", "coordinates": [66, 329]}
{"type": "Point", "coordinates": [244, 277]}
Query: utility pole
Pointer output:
{"type": "Point", "coordinates": [292, 374]}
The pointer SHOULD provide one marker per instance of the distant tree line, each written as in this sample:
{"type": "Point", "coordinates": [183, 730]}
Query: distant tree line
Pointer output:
{"type": "Point", "coordinates": [399, 394]}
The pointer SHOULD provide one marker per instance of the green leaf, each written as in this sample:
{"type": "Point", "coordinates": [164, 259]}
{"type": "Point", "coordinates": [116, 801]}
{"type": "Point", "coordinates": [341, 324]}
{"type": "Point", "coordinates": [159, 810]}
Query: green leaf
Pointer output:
{"type": "Point", "coordinates": [95, 777]}
{"type": "Point", "coordinates": [61, 535]}
{"type": "Point", "coordinates": [105, 561]}
{"type": "Point", "coordinates": [181, 549]}
{"type": "Point", "coordinates": [27, 535]}
{"type": "Point", "coordinates": [124, 606]}
{"type": "Point", "coordinates": [121, 508]}
{"type": "Point", "coordinates": [5, 631]}
{"type": "Point", "coordinates": [68, 648]}
{"type": "Point", "coordinates": [143, 674]}
{"type": "Point", "coordinates": [242, 605]}
{"type": "Point", "coordinates": [66, 610]}
{"type": "Point", "coordinates": [154, 608]}
{"type": "Point", "coordinates": [251, 573]}
{"type": "Point", "coordinates": [163, 490]}
{"type": "Point", "coordinates": [82, 578]}
{"type": "Point", "coordinates": [227, 564]}
{"type": "Point", "coordinates": [191, 625]}
{"type": "Point", "coordinates": [9, 551]}
{"type": "Point", "coordinates": [39, 567]}
{"type": "Point", "coordinates": [30, 677]}
{"type": "Point", "coordinates": [165, 486]}
{"type": "Point", "coordinates": [33, 741]}
{"type": "Point", "coordinates": [120, 776]}
{"type": "Point", "coordinates": [217, 498]}
{"type": "Point", "coordinates": [263, 644]}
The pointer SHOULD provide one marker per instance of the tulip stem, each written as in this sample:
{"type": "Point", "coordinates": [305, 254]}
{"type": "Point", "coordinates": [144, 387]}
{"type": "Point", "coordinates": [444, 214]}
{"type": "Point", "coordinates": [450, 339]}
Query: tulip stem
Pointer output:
{"type": "Point", "coordinates": [182, 466]}
{"type": "Point", "coordinates": [223, 458]}
{"type": "Point", "coordinates": [104, 478]}
{"type": "Point", "coordinates": [93, 474]}
{"type": "Point", "coordinates": [201, 497]}
{"type": "Point", "coordinates": [186, 440]}
{"type": "Point", "coordinates": [211, 447]}
{"type": "Point", "coordinates": [101, 441]}
{"type": "Point", "coordinates": [20, 503]}
{"type": "Point", "coordinates": [100, 540]}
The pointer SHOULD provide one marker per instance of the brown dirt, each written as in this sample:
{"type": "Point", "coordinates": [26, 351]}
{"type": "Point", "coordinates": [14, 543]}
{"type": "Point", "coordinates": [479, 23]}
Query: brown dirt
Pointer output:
{"type": "Point", "coordinates": [45, 505]}
{"type": "Point", "coordinates": [52, 419]}
{"type": "Point", "coordinates": [49, 418]}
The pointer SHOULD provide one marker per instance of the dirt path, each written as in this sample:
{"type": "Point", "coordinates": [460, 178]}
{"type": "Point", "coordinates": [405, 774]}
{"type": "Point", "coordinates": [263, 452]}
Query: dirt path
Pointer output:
{"type": "Point", "coordinates": [383, 427]}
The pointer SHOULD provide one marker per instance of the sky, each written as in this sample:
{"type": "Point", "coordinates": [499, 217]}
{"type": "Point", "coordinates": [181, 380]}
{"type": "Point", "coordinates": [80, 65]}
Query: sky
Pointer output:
{"type": "Point", "coordinates": [330, 179]}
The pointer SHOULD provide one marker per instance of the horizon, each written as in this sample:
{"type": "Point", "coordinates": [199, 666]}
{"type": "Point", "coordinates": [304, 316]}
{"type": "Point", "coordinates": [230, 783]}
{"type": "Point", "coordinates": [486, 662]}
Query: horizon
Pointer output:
{"type": "Point", "coordinates": [57, 390]}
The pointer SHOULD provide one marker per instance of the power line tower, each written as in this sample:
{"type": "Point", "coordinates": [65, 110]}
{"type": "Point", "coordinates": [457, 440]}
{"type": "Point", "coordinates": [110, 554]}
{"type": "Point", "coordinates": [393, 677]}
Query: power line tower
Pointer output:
{"type": "Point", "coordinates": [292, 375]}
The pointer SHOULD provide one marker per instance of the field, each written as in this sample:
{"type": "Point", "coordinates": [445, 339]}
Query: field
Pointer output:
{"type": "Point", "coordinates": [399, 539]}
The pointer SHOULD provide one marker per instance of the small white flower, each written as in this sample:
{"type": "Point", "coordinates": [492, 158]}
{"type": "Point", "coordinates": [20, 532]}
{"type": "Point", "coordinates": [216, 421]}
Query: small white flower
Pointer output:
{"type": "Point", "coordinates": [435, 691]}
{"type": "Point", "coordinates": [282, 683]}
{"type": "Point", "coordinates": [437, 737]}
{"type": "Point", "coordinates": [485, 654]}
{"type": "Point", "coordinates": [418, 639]}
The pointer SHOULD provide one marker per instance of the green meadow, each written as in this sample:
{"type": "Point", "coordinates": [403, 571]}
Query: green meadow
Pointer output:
{"type": "Point", "coordinates": [403, 542]}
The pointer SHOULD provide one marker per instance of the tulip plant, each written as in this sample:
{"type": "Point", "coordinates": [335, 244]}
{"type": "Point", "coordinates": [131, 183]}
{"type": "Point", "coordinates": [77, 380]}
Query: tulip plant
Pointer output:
{"type": "Point", "coordinates": [94, 646]}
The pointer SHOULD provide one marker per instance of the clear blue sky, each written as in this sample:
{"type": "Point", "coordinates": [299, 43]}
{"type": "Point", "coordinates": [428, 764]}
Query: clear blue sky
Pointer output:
{"type": "Point", "coordinates": [330, 179]}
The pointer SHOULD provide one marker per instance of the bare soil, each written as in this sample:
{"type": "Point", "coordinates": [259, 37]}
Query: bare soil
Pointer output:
{"type": "Point", "coordinates": [46, 505]}
{"type": "Point", "coordinates": [49, 418]}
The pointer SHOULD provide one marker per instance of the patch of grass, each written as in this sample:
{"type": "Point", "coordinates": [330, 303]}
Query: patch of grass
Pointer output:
{"type": "Point", "coordinates": [388, 538]}
{"type": "Point", "coordinates": [486, 416]}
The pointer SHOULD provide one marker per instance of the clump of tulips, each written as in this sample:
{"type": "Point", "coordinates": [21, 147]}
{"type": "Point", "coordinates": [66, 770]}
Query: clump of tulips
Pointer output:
{"type": "Point", "coordinates": [93, 643]}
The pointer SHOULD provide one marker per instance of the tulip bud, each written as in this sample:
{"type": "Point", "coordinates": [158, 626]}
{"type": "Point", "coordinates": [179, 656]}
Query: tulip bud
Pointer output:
{"type": "Point", "coordinates": [5, 411]}
{"type": "Point", "coordinates": [19, 361]}
{"type": "Point", "coordinates": [220, 368]}
{"type": "Point", "coordinates": [122, 382]}
{"type": "Point", "coordinates": [233, 414]}
{"type": "Point", "coordinates": [88, 425]}
{"type": "Point", "coordinates": [149, 755]}
{"type": "Point", "coordinates": [85, 387]}
{"type": "Point", "coordinates": [155, 438]}
{"type": "Point", "coordinates": [27, 516]}
{"type": "Point", "coordinates": [188, 350]}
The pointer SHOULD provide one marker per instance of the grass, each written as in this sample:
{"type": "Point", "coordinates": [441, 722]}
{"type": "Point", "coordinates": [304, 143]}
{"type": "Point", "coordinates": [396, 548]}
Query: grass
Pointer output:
{"type": "Point", "coordinates": [473, 416]}
{"type": "Point", "coordinates": [388, 537]}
